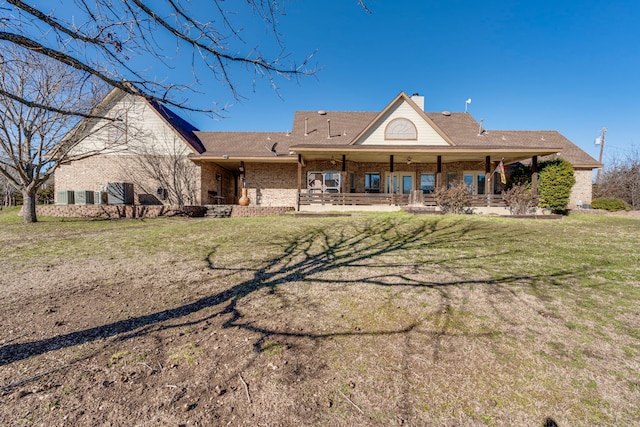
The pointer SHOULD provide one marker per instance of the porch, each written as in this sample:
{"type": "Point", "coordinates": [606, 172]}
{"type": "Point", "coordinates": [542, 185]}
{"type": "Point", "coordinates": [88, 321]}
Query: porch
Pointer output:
{"type": "Point", "coordinates": [310, 201]}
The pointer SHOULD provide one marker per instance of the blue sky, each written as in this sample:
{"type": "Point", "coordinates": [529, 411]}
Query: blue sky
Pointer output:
{"type": "Point", "coordinates": [571, 66]}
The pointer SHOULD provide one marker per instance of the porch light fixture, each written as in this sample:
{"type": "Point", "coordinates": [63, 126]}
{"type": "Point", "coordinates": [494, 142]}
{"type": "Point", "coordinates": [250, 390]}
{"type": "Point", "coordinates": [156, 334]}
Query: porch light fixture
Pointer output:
{"type": "Point", "coordinates": [241, 168]}
{"type": "Point", "coordinates": [409, 160]}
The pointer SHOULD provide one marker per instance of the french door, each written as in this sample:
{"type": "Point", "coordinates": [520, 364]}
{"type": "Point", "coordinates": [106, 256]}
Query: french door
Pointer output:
{"type": "Point", "coordinates": [399, 182]}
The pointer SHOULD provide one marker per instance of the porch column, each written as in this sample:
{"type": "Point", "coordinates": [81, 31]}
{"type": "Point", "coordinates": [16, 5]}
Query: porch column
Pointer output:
{"type": "Point", "coordinates": [534, 176]}
{"type": "Point", "coordinates": [299, 173]}
{"type": "Point", "coordinates": [439, 182]}
{"type": "Point", "coordinates": [299, 182]}
{"type": "Point", "coordinates": [487, 179]}
{"type": "Point", "coordinates": [344, 174]}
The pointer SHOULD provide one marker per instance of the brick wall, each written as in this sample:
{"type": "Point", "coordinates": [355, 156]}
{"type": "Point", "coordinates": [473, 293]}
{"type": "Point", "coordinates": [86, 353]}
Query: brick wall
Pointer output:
{"type": "Point", "coordinates": [272, 184]}
{"type": "Point", "coordinates": [94, 173]}
{"type": "Point", "coordinates": [582, 189]}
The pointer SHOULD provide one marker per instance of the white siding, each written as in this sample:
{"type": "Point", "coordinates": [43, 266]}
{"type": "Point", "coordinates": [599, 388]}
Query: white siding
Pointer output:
{"type": "Point", "coordinates": [426, 134]}
{"type": "Point", "coordinates": [141, 130]}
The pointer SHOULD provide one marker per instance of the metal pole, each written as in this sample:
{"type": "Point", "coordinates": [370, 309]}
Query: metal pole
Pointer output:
{"type": "Point", "coordinates": [604, 130]}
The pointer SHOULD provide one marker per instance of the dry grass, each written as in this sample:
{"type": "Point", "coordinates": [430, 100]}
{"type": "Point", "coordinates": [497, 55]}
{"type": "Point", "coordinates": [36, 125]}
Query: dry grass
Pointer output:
{"type": "Point", "coordinates": [451, 320]}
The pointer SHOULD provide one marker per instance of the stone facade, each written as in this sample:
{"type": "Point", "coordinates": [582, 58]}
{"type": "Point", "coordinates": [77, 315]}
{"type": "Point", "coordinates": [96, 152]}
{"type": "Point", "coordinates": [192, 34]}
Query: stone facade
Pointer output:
{"type": "Point", "coordinates": [139, 211]}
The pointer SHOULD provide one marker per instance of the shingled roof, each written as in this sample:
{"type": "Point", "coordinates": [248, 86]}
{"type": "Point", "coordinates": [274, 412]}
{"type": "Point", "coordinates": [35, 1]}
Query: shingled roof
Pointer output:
{"type": "Point", "coordinates": [333, 129]}
{"type": "Point", "coordinates": [181, 126]}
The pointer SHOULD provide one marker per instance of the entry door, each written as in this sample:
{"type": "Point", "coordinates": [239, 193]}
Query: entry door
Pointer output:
{"type": "Point", "coordinates": [475, 182]}
{"type": "Point", "coordinates": [399, 182]}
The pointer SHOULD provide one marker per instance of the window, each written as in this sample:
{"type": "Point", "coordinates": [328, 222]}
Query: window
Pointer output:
{"type": "Point", "coordinates": [475, 182]}
{"type": "Point", "coordinates": [402, 129]}
{"type": "Point", "coordinates": [428, 183]}
{"type": "Point", "coordinates": [352, 182]}
{"type": "Point", "coordinates": [452, 179]}
{"type": "Point", "coordinates": [324, 182]}
{"type": "Point", "coordinates": [371, 182]}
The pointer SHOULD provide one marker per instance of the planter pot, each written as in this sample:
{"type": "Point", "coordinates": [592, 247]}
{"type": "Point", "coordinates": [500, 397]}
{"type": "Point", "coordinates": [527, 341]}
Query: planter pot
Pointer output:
{"type": "Point", "coordinates": [244, 199]}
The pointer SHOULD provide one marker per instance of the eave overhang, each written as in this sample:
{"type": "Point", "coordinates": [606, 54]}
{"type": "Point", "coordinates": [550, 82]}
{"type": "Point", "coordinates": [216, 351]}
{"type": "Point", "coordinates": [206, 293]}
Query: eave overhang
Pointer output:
{"type": "Point", "coordinates": [421, 154]}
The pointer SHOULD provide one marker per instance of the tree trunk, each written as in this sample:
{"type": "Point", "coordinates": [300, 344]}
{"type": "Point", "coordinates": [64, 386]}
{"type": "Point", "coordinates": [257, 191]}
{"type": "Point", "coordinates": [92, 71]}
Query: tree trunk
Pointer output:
{"type": "Point", "coordinates": [29, 206]}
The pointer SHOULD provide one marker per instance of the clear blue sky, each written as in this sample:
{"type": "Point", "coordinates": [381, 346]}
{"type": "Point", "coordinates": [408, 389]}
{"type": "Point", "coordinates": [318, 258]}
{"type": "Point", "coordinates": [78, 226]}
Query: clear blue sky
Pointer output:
{"type": "Point", "coordinates": [571, 66]}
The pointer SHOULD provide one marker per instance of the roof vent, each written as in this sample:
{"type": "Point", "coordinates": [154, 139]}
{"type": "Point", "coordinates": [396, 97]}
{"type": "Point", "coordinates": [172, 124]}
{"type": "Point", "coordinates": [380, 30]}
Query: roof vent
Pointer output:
{"type": "Point", "coordinates": [446, 113]}
{"type": "Point", "coordinates": [322, 112]}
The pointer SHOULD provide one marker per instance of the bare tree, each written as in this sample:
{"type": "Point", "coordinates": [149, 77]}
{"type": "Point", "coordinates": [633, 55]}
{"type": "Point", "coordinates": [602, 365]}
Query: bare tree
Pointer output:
{"type": "Point", "coordinates": [104, 38]}
{"type": "Point", "coordinates": [162, 170]}
{"type": "Point", "coordinates": [7, 191]}
{"type": "Point", "coordinates": [35, 141]}
{"type": "Point", "coordinates": [621, 180]}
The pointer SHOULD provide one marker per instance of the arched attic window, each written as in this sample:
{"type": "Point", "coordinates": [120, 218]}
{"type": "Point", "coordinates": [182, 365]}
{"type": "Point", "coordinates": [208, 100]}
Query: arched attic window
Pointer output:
{"type": "Point", "coordinates": [401, 129]}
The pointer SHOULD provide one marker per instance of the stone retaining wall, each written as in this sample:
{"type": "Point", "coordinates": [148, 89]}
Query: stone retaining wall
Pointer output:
{"type": "Point", "coordinates": [250, 211]}
{"type": "Point", "coordinates": [142, 211]}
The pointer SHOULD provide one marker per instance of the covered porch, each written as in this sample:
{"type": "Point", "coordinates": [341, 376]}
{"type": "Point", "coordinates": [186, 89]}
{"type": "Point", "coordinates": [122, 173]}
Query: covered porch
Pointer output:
{"type": "Point", "coordinates": [376, 177]}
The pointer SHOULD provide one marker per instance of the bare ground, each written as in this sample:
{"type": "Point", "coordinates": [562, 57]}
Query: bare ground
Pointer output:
{"type": "Point", "coordinates": [327, 328]}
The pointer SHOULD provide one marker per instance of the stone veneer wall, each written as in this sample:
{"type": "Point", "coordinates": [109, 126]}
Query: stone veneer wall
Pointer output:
{"type": "Point", "coordinates": [253, 211]}
{"type": "Point", "coordinates": [139, 211]}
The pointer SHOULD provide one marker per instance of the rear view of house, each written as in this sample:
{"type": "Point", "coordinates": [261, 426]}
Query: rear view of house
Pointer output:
{"type": "Point", "coordinates": [394, 157]}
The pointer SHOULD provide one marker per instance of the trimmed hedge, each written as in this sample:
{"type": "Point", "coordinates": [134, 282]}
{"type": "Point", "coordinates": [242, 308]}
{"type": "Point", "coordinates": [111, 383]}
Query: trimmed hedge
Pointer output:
{"type": "Point", "coordinates": [609, 204]}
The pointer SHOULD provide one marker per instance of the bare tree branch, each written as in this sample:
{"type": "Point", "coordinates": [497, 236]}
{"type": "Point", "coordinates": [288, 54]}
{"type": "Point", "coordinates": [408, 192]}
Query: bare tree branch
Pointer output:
{"type": "Point", "coordinates": [36, 137]}
{"type": "Point", "coordinates": [101, 37]}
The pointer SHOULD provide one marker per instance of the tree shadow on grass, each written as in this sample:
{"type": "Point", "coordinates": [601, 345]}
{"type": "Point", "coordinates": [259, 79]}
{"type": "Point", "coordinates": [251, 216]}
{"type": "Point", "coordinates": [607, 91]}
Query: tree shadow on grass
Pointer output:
{"type": "Point", "coordinates": [376, 244]}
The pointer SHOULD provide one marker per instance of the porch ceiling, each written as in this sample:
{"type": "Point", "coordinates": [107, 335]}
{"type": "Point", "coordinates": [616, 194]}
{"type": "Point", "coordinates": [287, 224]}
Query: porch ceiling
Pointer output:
{"type": "Point", "coordinates": [380, 154]}
{"type": "Point", "coordinates": [421, 154]}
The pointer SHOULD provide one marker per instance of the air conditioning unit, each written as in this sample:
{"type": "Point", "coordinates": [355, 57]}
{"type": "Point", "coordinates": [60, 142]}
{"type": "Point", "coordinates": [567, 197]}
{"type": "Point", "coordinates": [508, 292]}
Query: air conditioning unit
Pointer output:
{"type": "Point", "coordinates": [65, 197]}
{"type": "Point", "coordinates": [120, 193]}
{"type": "Point", "coordinates": [84, 197]}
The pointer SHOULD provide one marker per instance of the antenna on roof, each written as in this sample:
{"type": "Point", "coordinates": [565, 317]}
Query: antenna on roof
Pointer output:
{"type": "Point", "coordinates": [466, 104]}
{"type": "Point", "coordinates": [273, 148]}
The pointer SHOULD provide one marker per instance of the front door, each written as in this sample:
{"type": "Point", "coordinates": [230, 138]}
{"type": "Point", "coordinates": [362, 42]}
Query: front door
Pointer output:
{"type": "Point", "coordinates": [399, 182]}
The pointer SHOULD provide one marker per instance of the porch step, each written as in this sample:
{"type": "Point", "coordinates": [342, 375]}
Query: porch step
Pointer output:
{"type": "Point", "coordinates": [219, 211]}
{"type": "Point", "coordinates": [422, 210]}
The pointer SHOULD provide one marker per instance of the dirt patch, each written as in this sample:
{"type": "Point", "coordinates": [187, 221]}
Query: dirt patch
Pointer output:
{"type": "Point", "coordinates": [382, 321]}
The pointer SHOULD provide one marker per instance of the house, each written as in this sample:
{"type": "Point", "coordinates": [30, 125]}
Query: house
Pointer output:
{"type": "Point", "coordinates": [330, 159]}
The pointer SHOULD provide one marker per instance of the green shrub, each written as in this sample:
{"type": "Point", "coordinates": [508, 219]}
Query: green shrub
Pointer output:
{"type": "Point", "coordinates": [555, 181]}
{"type": "Point", "coordinates": [610, 204]}
{"type": "Point", "coordinates": [453, 200]}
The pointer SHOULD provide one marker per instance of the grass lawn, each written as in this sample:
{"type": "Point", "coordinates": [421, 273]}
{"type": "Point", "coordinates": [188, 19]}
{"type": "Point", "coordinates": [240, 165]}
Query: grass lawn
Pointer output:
{"type": "Point", "coordinates": [378, 319]}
